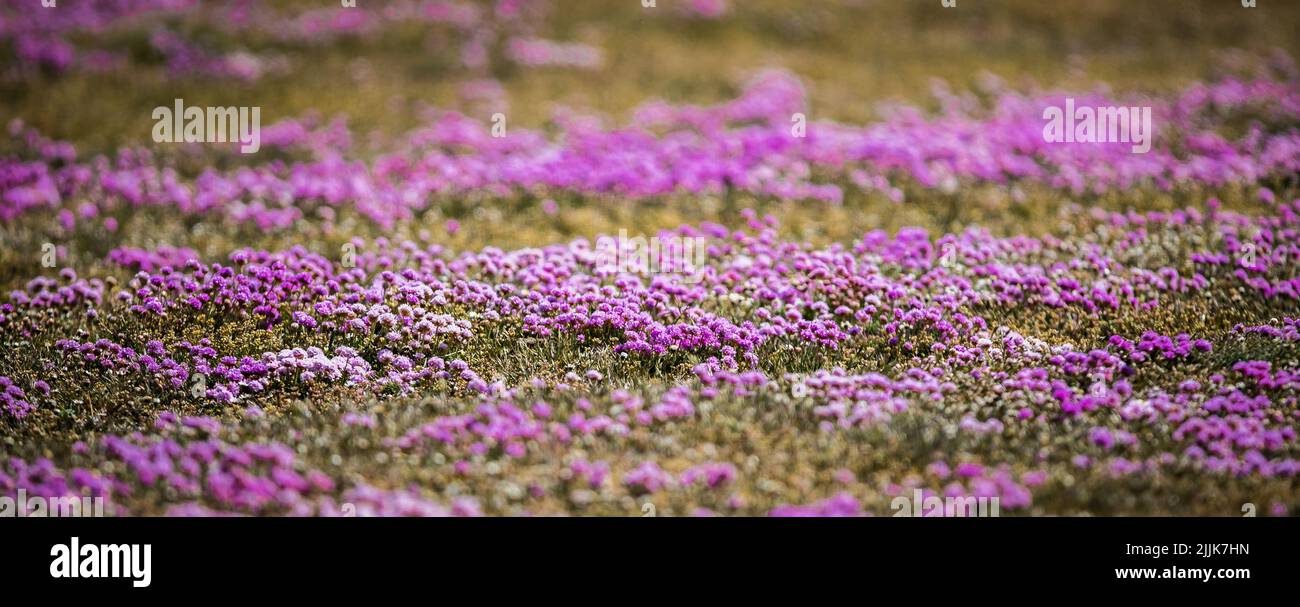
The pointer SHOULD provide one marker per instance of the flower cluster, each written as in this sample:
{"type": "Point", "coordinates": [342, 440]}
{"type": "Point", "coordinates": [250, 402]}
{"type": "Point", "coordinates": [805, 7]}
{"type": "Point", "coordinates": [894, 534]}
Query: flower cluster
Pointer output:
{"type": "Point", "coordinates": [51, 41]}
{"type": "Point", "coordinates": [743, 145]}
{"type": "Point", "coordinates": [934, 304]}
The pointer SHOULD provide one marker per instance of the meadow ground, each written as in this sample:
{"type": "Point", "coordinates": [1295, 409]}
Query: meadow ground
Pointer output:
{"type": "Point", "coordinates": [389, 310]}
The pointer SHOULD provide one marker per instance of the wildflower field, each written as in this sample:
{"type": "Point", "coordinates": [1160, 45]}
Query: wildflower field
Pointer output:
{"type": "Point", "coordinates": [402, 301]}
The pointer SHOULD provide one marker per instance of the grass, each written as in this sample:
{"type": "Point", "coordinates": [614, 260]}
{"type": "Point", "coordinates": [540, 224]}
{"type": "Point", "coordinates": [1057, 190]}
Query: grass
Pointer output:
{"type": "Point", "coordinates": [853, 56]}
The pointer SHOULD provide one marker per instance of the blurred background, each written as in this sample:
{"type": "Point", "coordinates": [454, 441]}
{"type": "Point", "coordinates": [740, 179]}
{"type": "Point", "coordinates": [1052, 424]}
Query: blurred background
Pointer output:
{"type": "Point", "coordinates": [380, 63]}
